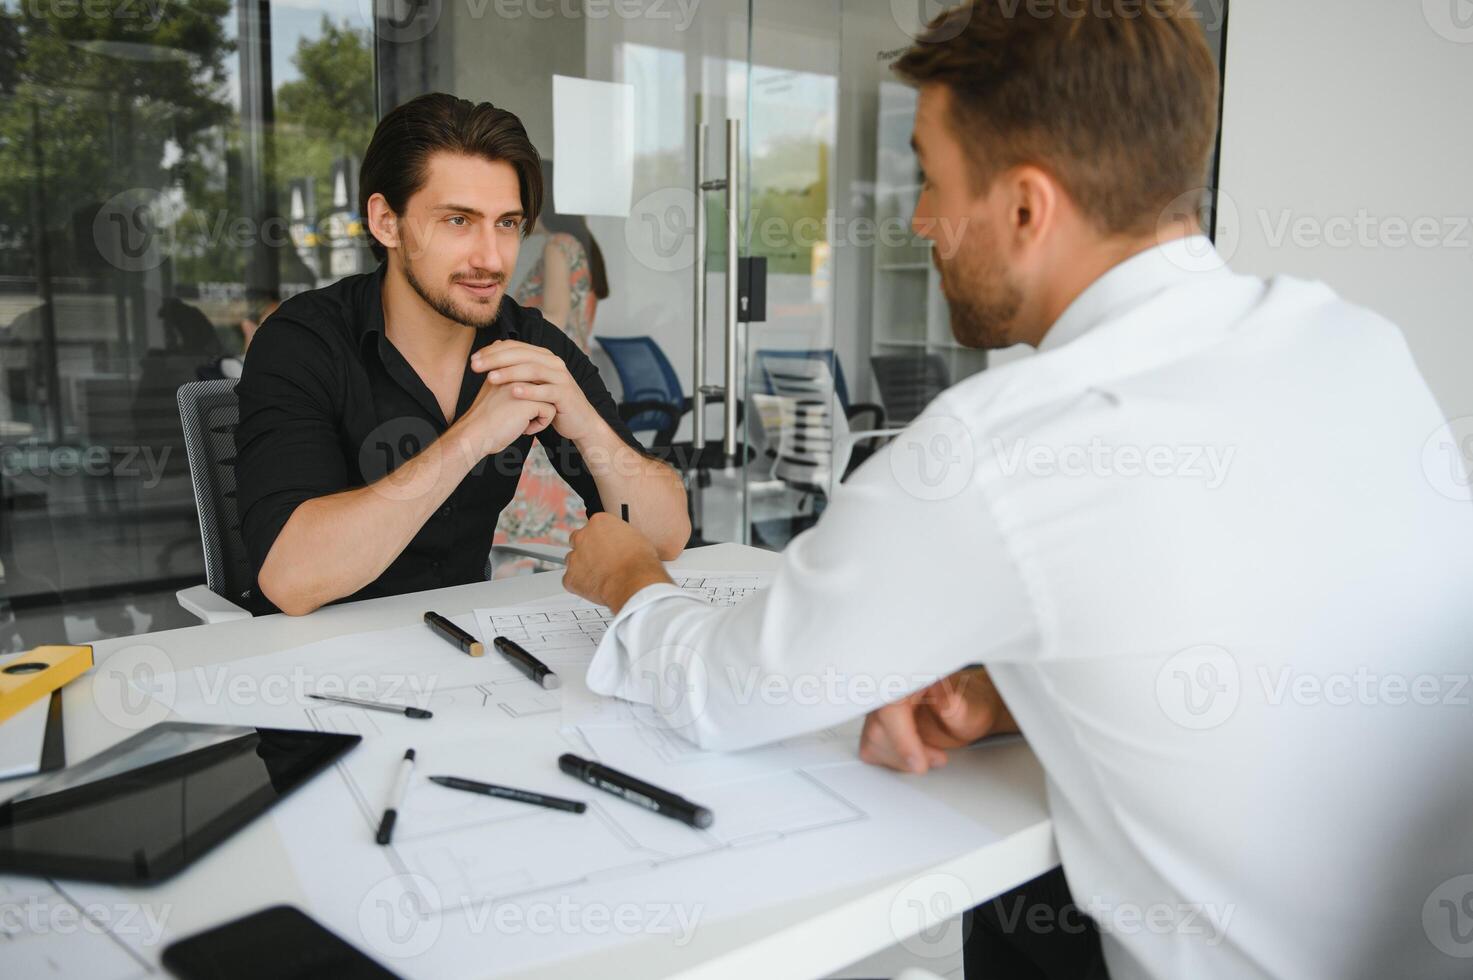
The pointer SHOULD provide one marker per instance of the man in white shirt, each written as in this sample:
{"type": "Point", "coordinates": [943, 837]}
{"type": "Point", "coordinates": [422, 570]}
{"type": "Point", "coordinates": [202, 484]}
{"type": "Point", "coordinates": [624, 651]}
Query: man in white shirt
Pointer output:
{"type": "Point", "coordinates": [1194, 541]}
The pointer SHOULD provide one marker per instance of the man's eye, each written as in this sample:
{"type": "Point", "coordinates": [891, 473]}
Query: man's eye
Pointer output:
{"type": "Point", "coordinates": [458, 219]}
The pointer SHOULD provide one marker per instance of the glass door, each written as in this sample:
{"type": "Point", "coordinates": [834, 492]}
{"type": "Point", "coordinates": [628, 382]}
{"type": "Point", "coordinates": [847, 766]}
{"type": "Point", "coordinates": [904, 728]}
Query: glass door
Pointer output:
{"type": "Point", "coordinates": [641, 111]}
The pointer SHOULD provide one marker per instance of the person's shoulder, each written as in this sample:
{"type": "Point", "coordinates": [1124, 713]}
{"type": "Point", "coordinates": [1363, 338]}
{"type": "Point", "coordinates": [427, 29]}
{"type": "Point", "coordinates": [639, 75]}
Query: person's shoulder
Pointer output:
{"type": "Point", "coordinates": [330, 316]}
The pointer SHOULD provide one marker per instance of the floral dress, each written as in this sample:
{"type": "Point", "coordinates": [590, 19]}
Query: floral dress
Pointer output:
{"type": "Point", "coordinates": [545, 510]}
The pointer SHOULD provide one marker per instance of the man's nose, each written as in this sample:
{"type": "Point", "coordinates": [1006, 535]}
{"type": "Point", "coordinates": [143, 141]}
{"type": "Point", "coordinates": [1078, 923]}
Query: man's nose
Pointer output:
{"type": "Point", "coordinates": [487, 254]}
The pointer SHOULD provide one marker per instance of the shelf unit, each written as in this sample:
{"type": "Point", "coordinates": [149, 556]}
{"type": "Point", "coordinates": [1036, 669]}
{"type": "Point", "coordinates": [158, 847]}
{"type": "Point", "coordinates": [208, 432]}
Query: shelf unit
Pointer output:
{"type": "Point", "coordinates": [909, 310]}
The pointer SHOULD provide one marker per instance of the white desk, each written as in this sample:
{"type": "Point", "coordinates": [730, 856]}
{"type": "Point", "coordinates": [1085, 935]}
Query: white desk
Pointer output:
{"type": "Point", "coordinates": [1002, 787]}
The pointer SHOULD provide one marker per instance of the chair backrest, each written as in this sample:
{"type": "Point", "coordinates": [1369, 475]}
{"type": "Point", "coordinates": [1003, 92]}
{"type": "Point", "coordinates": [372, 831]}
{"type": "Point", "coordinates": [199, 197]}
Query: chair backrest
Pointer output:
{"type": "Point", "coordinates": [810, 424]}
{"type": "Point", "coordinates": [209, 413]}
{"type": "Point", "coordinates": [770, 360]}
{"type": "Point", "coordinates": [908, 383]}
{"type": "Point", "coordinates": [646, 375]}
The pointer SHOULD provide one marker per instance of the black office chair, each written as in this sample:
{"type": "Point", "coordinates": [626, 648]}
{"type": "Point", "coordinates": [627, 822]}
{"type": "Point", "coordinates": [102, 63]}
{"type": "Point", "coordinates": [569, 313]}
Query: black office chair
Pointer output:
{"type": "Point", "coordinates": [908, 383]}
{"type": "Point", "coordinates": [209, 413]}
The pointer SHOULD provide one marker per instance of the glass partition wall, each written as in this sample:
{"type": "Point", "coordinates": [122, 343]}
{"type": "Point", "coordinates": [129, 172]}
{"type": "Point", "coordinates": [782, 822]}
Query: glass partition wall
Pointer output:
{"type": "Point", "coordinates": [167, 171]}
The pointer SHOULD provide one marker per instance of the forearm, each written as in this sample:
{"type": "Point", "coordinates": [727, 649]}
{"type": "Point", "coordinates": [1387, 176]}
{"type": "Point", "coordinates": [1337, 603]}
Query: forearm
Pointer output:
{"type": "Point", "coordinates": [653, 491]}
{"type": "Point", "coordinates": [332, 546]}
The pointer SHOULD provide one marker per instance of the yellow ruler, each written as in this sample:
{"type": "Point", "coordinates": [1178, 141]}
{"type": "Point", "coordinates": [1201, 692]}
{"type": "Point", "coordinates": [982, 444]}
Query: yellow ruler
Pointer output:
{"type": "Point", "coordinates": [31, 676]}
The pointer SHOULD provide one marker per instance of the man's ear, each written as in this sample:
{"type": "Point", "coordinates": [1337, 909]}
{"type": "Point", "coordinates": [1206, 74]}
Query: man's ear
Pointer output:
{"type": "Point", "coordinates": [383, 223]}
{"type": "Point", "coordinates": [1032, 200]}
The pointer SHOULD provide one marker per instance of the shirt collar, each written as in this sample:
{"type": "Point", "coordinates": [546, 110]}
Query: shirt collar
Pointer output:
{"type": "Point", "coordinates": [1126, 284]}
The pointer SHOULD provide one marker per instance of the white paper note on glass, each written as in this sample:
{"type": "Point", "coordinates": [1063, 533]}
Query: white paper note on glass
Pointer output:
{"type": "Point", "coordinates": [592, 145]}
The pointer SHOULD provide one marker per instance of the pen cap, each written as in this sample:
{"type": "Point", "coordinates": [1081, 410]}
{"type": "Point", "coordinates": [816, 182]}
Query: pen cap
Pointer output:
{"type": "Point", "coordinates": [572, 765]}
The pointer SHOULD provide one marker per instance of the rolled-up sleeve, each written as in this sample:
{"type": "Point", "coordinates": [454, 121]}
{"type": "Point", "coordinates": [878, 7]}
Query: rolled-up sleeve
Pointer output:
{"type": "Point", "coordinates": [888, 593]}
{"type": "Point", "coordinates": [288, 447]}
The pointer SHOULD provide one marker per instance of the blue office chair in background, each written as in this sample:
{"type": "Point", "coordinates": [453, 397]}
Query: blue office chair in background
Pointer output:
{"type": "Point", "coordinates": [654, 402]}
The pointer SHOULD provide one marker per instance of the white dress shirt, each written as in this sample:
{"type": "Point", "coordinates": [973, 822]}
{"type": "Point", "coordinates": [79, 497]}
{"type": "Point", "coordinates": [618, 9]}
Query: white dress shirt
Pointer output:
{"type": "Point", "coordinates": [1196, 542]}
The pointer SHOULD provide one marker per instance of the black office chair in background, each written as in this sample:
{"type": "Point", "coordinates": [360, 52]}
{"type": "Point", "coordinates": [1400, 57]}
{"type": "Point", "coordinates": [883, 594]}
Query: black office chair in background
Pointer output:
{"type": "Point", "coordinates": [908, 383]}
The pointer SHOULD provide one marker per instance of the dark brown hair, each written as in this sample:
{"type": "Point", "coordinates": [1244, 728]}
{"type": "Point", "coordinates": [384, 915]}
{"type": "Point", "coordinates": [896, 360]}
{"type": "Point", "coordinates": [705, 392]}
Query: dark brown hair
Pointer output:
{"type": "Point", "coordinates": [1116, 98]}
{"type": "Point", "coordinates": [398, 156]}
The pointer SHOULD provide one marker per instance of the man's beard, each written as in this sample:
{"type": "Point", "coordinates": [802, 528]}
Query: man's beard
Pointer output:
{"type": "Point", "coordinates": [981, 295]}
{"type": "Point", "coordinates": [443, 305]}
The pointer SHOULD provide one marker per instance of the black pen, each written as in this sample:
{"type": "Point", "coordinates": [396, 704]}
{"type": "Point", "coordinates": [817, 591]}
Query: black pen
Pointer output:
{"type": "Point", "coordinates": [398, 709]}
{"type": "Point", "coordinates": [636, 791]}
{"type": "Point", "coordinates": [510, 793]}
{"type": "Point", "coordinates": [396, 799]}
{"type": "Point", "coordinates": [454, 635]}
{"type": "Point", "coordinates": [527, 664]}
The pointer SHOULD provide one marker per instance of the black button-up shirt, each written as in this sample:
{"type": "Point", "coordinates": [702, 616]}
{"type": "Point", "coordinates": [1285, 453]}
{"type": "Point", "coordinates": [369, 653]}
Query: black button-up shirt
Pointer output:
{"type": "Point", "coordinates": [328, 404]}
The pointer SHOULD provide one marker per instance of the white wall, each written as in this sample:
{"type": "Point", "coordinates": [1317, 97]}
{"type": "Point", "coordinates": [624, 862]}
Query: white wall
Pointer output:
{"type": "Point", "coordinates": [1341, 119]}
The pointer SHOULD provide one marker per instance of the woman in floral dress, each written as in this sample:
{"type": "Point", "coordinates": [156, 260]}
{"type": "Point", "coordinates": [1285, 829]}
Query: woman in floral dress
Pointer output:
{"type": "Point", "coordinates": [566, 284]}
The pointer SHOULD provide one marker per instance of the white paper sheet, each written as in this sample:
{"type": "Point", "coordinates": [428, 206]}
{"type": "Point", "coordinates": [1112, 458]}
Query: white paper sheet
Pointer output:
{"type": "Point", "coordinates": [592, 146]}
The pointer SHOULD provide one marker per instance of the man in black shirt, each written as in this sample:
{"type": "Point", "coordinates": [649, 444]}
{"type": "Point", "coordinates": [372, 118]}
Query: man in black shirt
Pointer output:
{"type": "Point", "coordinates": [384, 419]}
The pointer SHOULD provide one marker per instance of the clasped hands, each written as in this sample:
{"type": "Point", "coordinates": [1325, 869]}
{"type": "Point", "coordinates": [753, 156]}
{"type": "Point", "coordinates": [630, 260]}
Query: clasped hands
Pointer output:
{"type": "Point", "coordinates": [527, 389]}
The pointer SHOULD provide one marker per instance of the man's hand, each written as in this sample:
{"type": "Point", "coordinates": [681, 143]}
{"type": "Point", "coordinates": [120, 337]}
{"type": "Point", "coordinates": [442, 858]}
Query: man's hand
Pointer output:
{"type": "Point", "coordinates": [497, 418]}
{"type": "Point", "coordinates": [537, 374]}
{"type": "Point", "coordinates": [914, 733]}
{"type": "Point", "coordinates": [611, 561]}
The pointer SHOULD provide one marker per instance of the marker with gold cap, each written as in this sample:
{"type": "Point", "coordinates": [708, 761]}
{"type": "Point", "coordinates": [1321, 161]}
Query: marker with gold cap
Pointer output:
{"type": "Point", "coordinates": [454, 635]}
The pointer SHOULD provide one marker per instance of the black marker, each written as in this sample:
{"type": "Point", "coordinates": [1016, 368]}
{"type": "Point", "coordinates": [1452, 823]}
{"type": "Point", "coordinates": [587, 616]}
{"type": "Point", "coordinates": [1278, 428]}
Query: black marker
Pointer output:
{"type": "Point", "coordinates": [398, 709]}
{"type": "Point", "coordinates": [510, 793]}
{"type": "Point", "coordinates": [535, 669]}
{"type": "Point", "coordinates": [636, 791]}
{"type": "Point", "coordinates": [454, 635]}
{"type": "Point", "coordinates": [396, 799]}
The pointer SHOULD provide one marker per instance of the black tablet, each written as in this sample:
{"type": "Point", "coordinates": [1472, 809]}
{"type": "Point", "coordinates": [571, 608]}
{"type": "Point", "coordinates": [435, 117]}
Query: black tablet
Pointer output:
{"type": "Point", "coordinates": [152, 804]}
